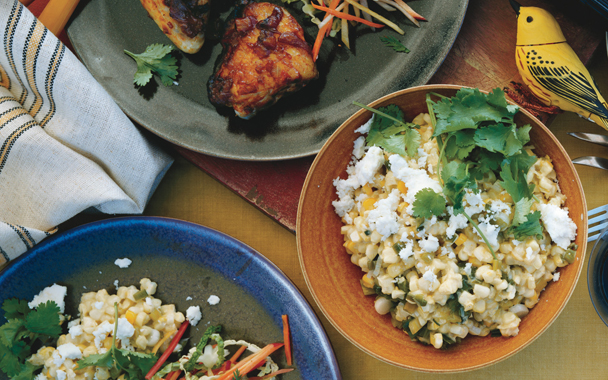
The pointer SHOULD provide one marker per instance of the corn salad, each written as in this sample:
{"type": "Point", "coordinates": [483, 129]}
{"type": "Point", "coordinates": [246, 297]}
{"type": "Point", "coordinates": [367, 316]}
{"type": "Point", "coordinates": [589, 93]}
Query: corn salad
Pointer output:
{"type": "Point", "coordinates": [146, 324]}
{"type": "Point", "coordinates": [436, 277]}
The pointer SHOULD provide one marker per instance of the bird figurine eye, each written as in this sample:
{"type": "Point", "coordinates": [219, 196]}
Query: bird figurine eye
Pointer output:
{"type": "Point", "coordinates": [529, 19]}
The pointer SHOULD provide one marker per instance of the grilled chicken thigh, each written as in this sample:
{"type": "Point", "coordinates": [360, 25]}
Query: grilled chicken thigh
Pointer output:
{"type": "Point", "coordinates": [264, 56]}
{"type": "Point", "coordinates": [183, 21]}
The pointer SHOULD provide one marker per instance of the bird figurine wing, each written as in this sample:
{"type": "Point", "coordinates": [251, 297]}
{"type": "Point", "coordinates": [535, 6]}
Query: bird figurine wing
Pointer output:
{"type": "Point", "coordinates": [573, 86]}
{"type": "Point", "coordinates": [551, 69]}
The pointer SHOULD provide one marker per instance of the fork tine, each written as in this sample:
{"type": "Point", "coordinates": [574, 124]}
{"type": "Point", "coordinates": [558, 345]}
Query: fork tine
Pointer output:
{"type": "Point", "coordinates": [597, 215]}
{"type": "Point", "coordinates": [598, 210]}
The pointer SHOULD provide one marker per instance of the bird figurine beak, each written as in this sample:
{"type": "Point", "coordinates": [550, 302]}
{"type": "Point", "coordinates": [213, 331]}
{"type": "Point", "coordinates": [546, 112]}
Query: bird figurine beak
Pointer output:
{"type": "Point", "coordinates": [515, 6]}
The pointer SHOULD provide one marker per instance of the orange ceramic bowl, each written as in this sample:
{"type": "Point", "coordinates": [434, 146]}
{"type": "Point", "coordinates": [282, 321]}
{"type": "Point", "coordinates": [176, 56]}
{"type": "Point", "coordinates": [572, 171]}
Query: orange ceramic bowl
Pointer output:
{"type": "Point", "coordinates": [334, 281]}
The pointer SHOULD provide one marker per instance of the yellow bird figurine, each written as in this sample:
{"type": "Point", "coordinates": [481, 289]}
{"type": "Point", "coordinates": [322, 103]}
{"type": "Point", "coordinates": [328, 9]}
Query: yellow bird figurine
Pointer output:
{"type": "Point", "coordinates": [551, 69]}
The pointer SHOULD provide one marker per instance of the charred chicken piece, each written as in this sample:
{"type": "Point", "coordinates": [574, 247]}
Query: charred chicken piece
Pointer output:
{"type": "Point", "coordinates": [183, 21]}
{"type": "Point", "coordinates": [264, 56]}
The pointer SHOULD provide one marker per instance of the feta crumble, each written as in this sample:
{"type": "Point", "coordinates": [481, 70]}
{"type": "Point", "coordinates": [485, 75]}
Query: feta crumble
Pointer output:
{"type": "Point", "coordinates": [213, 300]}
{"type": "Point", "coordinates": [194, 315]}
{"type": "Point", "coordinates": [54, 293]}
{"type": "Point", "coordinates": [122, 263]}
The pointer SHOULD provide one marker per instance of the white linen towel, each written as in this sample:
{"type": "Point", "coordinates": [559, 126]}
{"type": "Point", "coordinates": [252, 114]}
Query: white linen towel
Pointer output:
{"type": "Point", "coordinates": [65, 146]}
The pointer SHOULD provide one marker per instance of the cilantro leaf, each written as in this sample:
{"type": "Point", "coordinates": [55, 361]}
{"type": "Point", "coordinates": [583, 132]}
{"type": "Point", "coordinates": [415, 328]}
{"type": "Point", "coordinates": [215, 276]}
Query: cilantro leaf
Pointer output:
{"type": "Point", "coordinates": [44, 319]}
{"type": "Point", "coordinates": [156, 59]}
{"type": "Point", "coordinates": [531, 227]}
{"type": "Point", "coordinates": [9, 362]}
{"type": "Point", "coordinates": [26, 372]}
{"type": "Point", "coordinates": [522, 209]}
{"type": "Point", "coordinates": [428, 203]}
{"type": "Point", "coordinates": [460, 144]}
{"type": "Point", "coordinates": [9, 331]}
{"type": "Point", "coordinates": [15, 308]}
{"type": "Point", "coordinates": [470, 107]}
{"type": "Point", "coordinates": [455, 181]}
{"type": "Point", "coordinates": [395, 44]}
{"type": "Point", "coordinates": [391, 133]}
{"type": "Point", "coordinates": [514, 181]}
{"type": "Point", "coordinates": [100, 360]}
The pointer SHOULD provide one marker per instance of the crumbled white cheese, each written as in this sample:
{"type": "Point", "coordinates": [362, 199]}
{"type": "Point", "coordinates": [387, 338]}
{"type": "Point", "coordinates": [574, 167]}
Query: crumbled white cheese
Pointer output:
{"type": "Point", "coordinates": [558, 224]}
{"type": "Point", "coordinates": [407, 251]}
{"type": "Point", "coordinates": [66, 351]}
{"type": "Point", "coordinates": [188, 298]}
{"type": "Point", "coordinates": [414, 179]}
{"type": "Point", "coordinates": [476, 204]}
{"type": "Point", "coordinates": [431, 244]}
{"type": "Point", "coordinates": [194, 315]}
{"type": "Point", "coordinates": [365, 127]}
{"type": "Point", "coordinates": [125, 329]}
{"type": "Point", "coordinates": [366, 169]}
{"type": "Point", "coordinates": [61, 374]}
{"type": "Point", "coordinates": [556, 276]}
{"type": "Point", "coordinates": [69, 351]}
{"type": "Point", "coordinates": [430, 276]}
{"type": "Point", "coordinates": [384, 217]}
{"type": "Point", "coordinates": [456, 222]}
{"type": "Point", "coordinates": [213, 300]}
{"type": "Point", "coordinates": [75, 331]}
{"type": "Point", "coordinates": [102, 332]}
{"type": "Point", "coordinates": [122, 263]}
{"type": "Point", "coordinates": [40, 376]}
{"type": "Point", "coordinates": [359, 147]}
{"type": "Point", "coordinates": [99, 305]}
{"type": "Point", "coordinates": [529, 253]}
{"type": "Point", "coordinates": [51, 293]}
{"type": "Point", "coordinates": [489, 230]}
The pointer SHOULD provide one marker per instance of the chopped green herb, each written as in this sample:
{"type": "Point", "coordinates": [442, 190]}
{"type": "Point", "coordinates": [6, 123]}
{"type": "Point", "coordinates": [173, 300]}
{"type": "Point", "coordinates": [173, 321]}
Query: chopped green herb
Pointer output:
{"type": "Point", "coordinates": [140, 295]}
{"type": "Point", "coordinates": [156, 59]}
{"type": "Point", "coordinates": [395, 44]}
{"type": "Point", "coordinates": [25, 331]}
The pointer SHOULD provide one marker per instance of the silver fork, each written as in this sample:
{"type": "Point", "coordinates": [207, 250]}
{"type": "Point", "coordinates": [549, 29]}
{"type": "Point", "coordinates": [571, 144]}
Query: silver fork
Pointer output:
{"type": "Point", "coordinates": [598, 220]}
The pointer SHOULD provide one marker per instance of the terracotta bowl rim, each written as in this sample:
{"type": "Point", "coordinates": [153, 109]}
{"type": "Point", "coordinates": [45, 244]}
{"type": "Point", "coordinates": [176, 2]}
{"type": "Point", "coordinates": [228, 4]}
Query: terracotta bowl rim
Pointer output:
{"type": "Point", "coordinates": [581, 250]}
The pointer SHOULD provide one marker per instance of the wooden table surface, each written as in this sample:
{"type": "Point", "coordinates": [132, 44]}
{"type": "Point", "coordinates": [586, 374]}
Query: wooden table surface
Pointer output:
{"type": "Point", "coordinates": [574, 347]}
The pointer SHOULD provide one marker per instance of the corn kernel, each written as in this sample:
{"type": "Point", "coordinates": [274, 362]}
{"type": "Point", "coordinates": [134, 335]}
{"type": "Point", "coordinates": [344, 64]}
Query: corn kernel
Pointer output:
{"type": "Point", "coordinates": [401, 187]}
{"type": "Point", "coordinates": [505, 197]}
{"type": "Point", "coordinates": [369, 203]}
{"type": "Point", "coordinates": [350, 247]}
{"type": "Point", "coordinates": [130, 315]}
{"type": "Point", "coordinates": [461, 239]}
{"type": "Point", "coordinates": [402, 206]}
{"type": "Point", "coordinates": [367, 281]}
{"type": "Point", "coordinates": [367, 189]}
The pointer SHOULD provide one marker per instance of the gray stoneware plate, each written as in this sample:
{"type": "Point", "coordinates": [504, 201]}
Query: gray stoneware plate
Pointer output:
{"type": "Point", "coordinates": [297, 125]}
{"type": "Point", "coordinates": [186, 260]}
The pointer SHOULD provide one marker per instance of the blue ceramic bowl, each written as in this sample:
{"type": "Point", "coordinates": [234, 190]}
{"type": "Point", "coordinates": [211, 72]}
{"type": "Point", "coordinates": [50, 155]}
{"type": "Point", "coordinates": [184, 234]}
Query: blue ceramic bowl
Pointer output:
{"type": "Point", "coordinates": [597, 276]}
{"type": "Point", "coordinates": [187, 261]}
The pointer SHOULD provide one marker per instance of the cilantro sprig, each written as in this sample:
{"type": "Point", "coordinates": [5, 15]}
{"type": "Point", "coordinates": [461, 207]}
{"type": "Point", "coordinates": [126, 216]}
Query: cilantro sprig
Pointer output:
{"type": "Point", "coordinates": [134, 365]}
{"type": "Point", "coordinates": [158, 60]}
{"type": "Point", "coordinates": [390, 131]}
{"type": "Point", "coordinates": [395, 44]}
{"type": "Point", "coordinates": [25, 331]}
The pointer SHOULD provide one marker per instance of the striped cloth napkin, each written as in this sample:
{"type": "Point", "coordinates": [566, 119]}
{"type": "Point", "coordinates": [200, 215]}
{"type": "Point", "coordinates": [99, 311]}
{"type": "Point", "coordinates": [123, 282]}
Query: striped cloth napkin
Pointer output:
{"type": "Point", "coordinates": [65, 146]}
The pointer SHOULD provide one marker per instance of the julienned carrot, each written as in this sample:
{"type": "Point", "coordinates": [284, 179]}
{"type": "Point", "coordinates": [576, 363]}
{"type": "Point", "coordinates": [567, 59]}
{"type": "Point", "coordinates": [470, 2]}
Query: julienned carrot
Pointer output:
{"type": "Point", "coordinates": [251, 362]}
{"type": "Point", "coordinates": [323, 31]}
{"type": "Point", "coordinates": [173, 375]}
{"type": "Point", "coordinates": [169, 349]}
{"type": "Point", "coordinates": [347, 16]}
{"type": "Point", "coordinates": [286, 338]}
{"type": "Point", "coordinates": [237, 354]}
{"type": "Point", "coordinates": [281, 371]}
